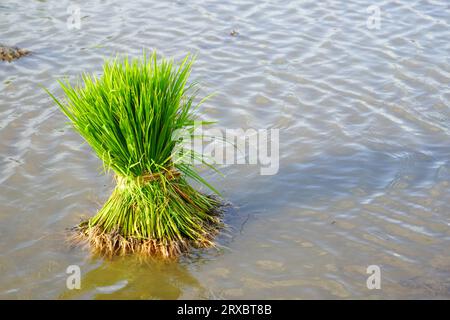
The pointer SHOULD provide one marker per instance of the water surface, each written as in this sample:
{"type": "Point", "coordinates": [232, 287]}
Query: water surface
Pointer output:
{"type": "Point", "coordinates": [364, 174]}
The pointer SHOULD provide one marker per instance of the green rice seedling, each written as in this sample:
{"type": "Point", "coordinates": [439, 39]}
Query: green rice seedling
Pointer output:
{"type": "Point", "coordinates": [129, 115]}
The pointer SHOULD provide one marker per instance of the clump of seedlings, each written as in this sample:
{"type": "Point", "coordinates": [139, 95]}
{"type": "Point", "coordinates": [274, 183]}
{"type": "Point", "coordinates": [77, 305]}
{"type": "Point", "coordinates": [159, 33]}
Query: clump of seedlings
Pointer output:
{"type": "Point", "coordinates": [128, 115]}
{"type": "Point", "coordinates": [11, 53]}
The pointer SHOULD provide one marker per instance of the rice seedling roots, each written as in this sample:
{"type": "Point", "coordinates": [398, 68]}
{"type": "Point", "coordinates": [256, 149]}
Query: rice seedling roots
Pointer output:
{"type": "Point", "coordinates": [109, 237]}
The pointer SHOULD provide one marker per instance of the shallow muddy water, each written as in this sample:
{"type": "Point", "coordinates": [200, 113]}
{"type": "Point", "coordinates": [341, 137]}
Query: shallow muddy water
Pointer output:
{"type": "Point", "coordinates": [364, 119]}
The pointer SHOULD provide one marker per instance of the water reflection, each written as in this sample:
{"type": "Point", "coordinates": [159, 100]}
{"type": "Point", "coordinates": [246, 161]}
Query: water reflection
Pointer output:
{"type": "Point", "coordinates": [132, 278]}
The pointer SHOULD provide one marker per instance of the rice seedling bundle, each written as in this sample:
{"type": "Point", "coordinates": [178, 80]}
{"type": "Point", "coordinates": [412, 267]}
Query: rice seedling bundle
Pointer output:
{"type": "Point", "coordinates": [128, 115]}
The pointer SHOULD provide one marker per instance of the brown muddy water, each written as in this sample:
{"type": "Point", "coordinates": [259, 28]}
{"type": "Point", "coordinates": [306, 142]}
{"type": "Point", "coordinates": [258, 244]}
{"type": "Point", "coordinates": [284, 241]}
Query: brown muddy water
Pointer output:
{"type": "Point", "coordinates": [364, 121]}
